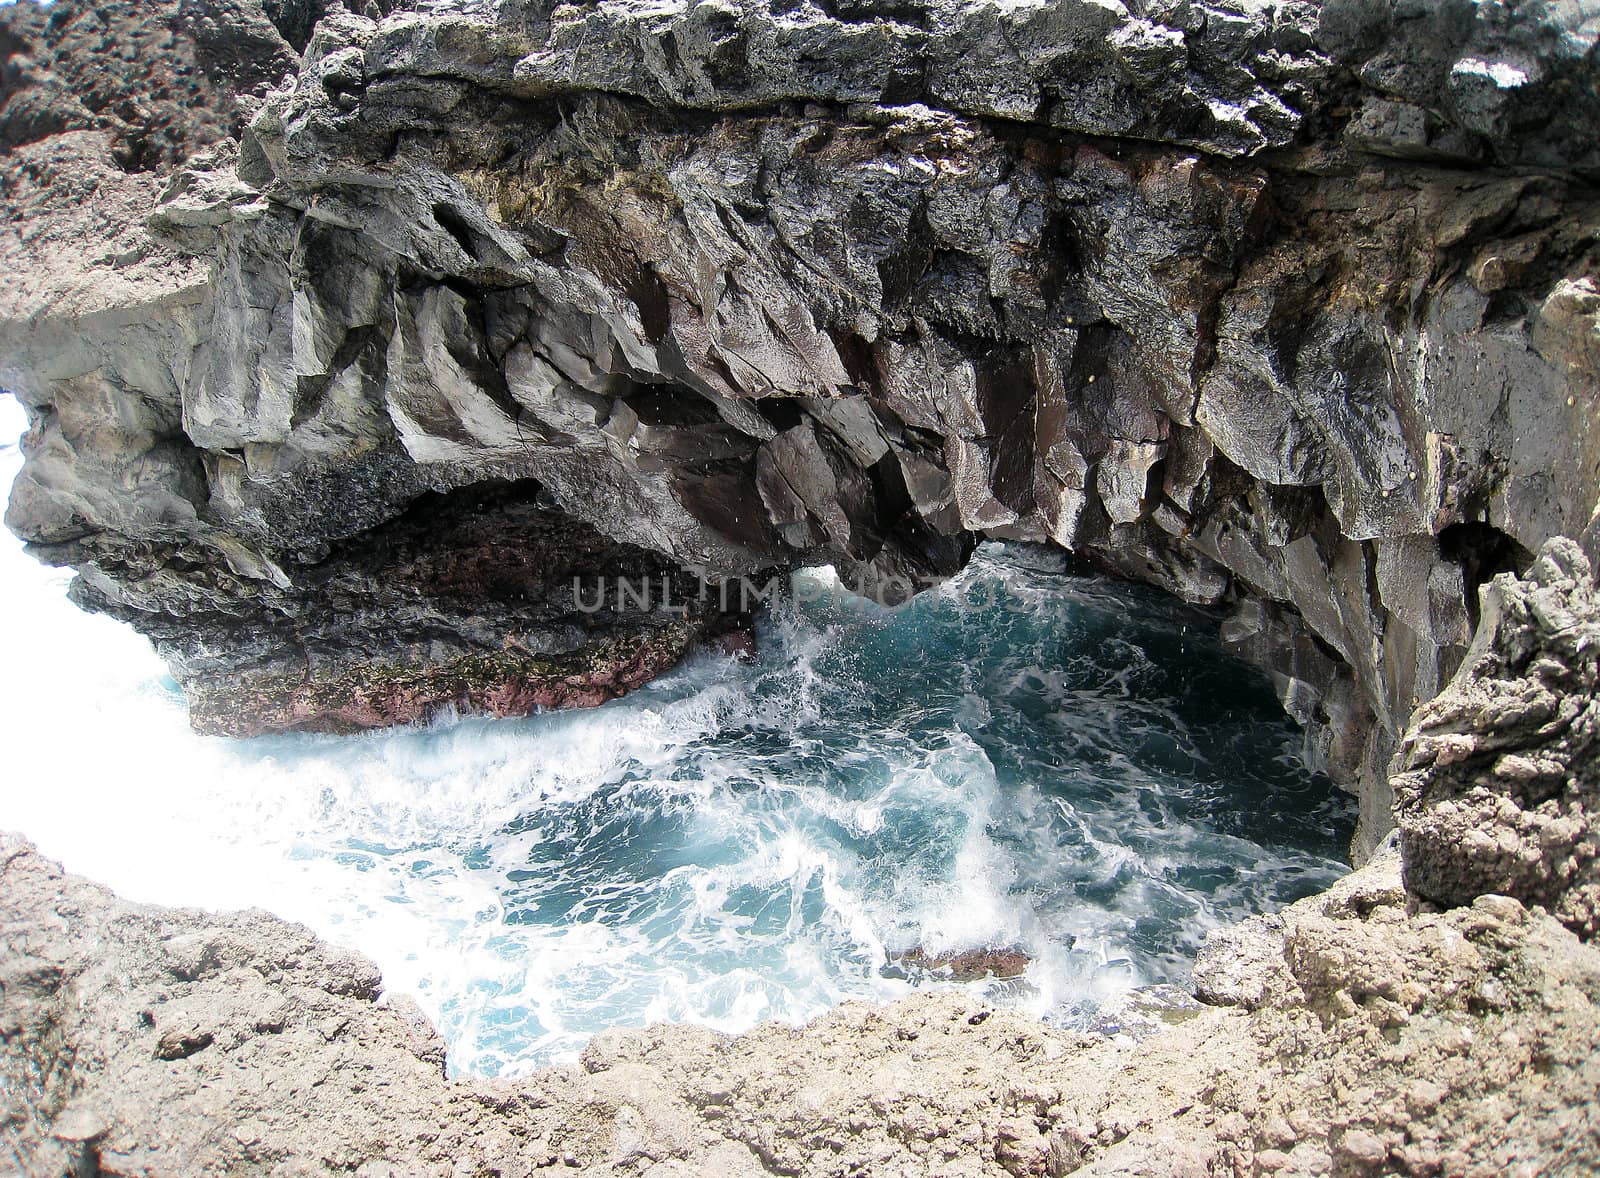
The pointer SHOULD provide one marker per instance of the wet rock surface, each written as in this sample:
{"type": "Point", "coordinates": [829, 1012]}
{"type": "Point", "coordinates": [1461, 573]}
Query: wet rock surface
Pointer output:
{"type": "Point", "coordinates": [148, 1041]}
{"type": "Point", "coordinates": [485, 599]}
{"type": "Point", "coordinates": [964, 966]}
{"type": "Point", "coordinates": [1223, 297]}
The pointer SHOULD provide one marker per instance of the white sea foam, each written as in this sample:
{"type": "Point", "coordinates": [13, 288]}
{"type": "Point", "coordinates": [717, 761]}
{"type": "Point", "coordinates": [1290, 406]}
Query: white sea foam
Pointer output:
{"type": "Point", "coordinates": [732, 843]}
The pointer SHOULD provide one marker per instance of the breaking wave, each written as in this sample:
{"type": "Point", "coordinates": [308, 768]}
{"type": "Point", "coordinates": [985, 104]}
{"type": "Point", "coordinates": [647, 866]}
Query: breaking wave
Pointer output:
{"type": "Point", "coordinates": [1027, 757]}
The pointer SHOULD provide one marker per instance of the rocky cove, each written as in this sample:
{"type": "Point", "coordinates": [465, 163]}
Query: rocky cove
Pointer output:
{"type": "Point", "coordinates": [349, 339]}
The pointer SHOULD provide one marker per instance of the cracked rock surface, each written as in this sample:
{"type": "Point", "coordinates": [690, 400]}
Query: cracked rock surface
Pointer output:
{"type": "Point", "coordinates": [1289, 309]}
{"type": "Point", "coordinates": [1498, 783]}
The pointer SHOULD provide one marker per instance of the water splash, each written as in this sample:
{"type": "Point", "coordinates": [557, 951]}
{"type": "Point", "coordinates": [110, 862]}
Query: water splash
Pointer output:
{"type": "Point", "coordinates": [1026, 757]}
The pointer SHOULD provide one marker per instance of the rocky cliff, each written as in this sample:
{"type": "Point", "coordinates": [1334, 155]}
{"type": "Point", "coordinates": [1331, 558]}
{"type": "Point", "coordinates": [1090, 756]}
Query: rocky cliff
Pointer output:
{"type": "Point", "coordinates": [1287, 308]}
{"type": "Point", "coordinates": [352, 341]}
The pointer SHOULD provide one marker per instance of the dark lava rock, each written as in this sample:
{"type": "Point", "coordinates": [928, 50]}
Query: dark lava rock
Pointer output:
{"type": "Point", "coordinates": [1219, 297]}
{"type": "Point", "coordinates": [1498, 784]}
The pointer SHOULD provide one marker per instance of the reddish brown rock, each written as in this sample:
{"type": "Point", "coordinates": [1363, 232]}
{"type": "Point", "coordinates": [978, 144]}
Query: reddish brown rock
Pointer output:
{"type": "Point", "coordinates": [968, 965]}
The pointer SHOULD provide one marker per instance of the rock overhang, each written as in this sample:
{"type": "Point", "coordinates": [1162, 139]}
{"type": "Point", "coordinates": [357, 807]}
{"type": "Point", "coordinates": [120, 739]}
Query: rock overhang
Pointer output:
{"type": "Point", "coordinates": [748, 285]}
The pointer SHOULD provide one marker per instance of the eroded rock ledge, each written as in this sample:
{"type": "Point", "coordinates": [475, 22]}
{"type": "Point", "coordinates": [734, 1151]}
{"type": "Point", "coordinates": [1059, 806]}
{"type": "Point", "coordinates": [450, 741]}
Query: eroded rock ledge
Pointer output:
{"type": "Point", "coordinates": [1367, 1030]}
{"type": "Point", "coordinates": [148, 1041]}
{"type": "Point", "coordinates": [1287, 308]}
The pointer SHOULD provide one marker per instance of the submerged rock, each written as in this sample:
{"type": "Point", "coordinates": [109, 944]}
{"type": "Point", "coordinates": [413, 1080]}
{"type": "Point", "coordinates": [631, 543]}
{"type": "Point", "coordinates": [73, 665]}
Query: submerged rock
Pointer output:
{"type": "Point", "coordinates": [1142, 1012]}
{"type": "Point", "coordinates": [967, 965]}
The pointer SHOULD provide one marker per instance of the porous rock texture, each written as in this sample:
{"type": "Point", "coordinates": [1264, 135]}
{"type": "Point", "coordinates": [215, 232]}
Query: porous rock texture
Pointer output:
{"type": "Point", "coordinates": [1290, 308]}
{"type": "Point", "coordinates": [1351, 1038]}
{"type": "Point", "coordinates": [1497, 787]}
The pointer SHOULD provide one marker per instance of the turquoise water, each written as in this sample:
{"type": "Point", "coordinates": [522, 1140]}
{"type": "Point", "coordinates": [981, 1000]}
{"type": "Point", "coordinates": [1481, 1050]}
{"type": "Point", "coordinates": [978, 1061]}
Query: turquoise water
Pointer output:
{"type": "Point", "coordinates": [1026, 757]}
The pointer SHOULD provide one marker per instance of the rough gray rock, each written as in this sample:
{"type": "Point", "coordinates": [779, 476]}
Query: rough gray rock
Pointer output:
{"type": "Point", "coordinates": [484, 599]}
{"type": "Point", "coordinates": [160, 77]}
{"type": "Point", "coordinates": [756, 285]}
{"type": "Point", "coordinates": [140, 1041]}
{"type": "Point", "coordinates": [1498, 781]}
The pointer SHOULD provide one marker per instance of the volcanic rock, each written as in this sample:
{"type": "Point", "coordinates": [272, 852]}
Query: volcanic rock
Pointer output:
{"type": "Point", "coordinates": [1288, 309]}
{"type": "Point", "coordinates": [967, 965]}
{"type": "Point", "coordinates": [1498, 789]}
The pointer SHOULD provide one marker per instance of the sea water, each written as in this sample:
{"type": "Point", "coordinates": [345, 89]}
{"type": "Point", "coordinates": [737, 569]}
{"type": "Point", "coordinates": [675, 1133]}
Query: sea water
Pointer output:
{"type": "Point", "coordinates": [1029, 757]}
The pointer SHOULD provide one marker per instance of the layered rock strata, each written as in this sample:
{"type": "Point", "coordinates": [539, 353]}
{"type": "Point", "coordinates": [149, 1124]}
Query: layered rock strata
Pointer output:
{"type": "Point", "coordinates": [1290, 309]}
